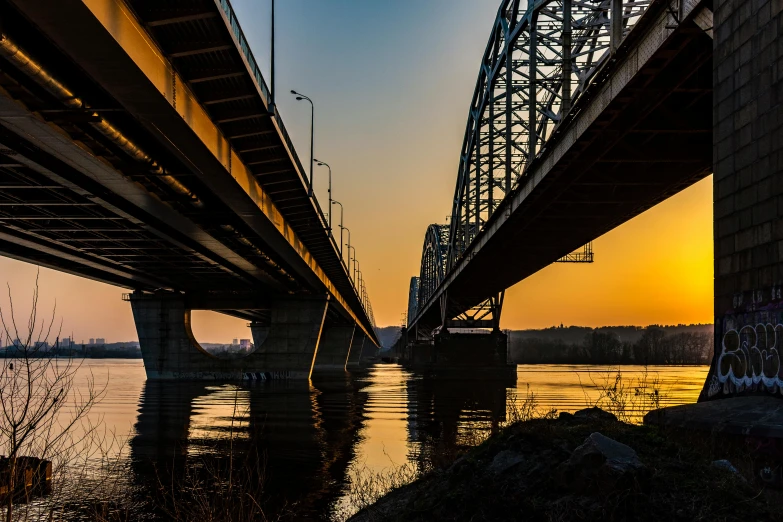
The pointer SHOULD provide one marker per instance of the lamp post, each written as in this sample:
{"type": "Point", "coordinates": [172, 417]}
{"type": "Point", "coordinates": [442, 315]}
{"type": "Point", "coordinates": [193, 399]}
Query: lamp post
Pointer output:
{"type": "Point", "coordinates": [272, 67]}
{"type": "Point", "coordinates": [349, 259]}
{"type": "Point", "coordinates": [341, 224]}
{"type": "Point", "coordinates": [324, 164]}
{"type": "Point", "coordinates": [300, 96]}
{"type": "Point", "coordinates": [361, 288]}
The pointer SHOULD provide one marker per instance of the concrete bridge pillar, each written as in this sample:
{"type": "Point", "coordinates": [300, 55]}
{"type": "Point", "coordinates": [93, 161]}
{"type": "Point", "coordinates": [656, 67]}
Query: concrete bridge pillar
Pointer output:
{"type": "Point", "coordinates": [369, 351]}
{"type": "Point", "coordinates": [463, 355]}
{"type": "Point", "coordinates": [748, 198]}
{"type": "Point", "coordinates": [334, 348]}
{"type": "Point", "coordinates": [357, 346]}
{"type": "Point", "coordinates": [285, 349]}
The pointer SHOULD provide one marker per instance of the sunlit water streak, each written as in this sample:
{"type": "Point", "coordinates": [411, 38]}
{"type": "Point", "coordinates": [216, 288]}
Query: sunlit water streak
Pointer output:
{"type": "Point", "coordinates": [316, 436]}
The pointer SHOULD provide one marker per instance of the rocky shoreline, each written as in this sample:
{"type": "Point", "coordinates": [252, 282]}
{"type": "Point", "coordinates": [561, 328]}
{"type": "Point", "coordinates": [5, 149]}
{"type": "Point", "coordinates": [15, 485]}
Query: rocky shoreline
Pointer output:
{"type": "Point", "coordinates": [586, 466]}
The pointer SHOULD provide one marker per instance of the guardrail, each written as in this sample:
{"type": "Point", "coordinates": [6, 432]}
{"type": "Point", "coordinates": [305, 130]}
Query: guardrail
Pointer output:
{"type": "Point", "coordinates": [236, 29]}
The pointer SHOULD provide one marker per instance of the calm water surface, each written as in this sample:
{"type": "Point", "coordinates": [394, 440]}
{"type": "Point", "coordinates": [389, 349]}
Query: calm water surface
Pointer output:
{"type": "Point", "coordinates": [316, 438]}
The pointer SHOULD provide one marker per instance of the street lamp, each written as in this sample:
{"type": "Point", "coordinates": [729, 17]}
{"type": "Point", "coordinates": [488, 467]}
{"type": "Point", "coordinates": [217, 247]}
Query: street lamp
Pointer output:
{"type": "Point", "coordinates": [300, 96]}
{"type": "Point", "coordinates": [341, 224]}
{"type": "Point", "coordinates": [349, 257]}
{"type": "Point", "coordinates": [324, 164]}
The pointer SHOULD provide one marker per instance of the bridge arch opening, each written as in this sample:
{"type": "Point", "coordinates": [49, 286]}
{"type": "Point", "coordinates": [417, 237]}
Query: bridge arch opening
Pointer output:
{"type": "Point", "coordinates": [220, 335]}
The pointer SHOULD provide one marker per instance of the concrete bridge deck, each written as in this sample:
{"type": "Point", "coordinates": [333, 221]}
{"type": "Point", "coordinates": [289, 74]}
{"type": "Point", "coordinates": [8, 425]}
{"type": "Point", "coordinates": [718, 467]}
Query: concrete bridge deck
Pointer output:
{"type": "Point", "coordinates": [140, 148]}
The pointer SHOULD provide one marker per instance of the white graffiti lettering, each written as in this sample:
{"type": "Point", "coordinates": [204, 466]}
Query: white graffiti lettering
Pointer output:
{"type": "Point", "coordinates": [750, 360]}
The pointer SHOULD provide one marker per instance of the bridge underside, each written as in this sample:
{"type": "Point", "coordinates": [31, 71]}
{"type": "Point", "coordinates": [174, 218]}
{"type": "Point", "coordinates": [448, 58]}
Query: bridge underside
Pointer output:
{"type": "Point", "coordinates": [138, 149]}
{"type": "Point", "coordinates": [642, 133]}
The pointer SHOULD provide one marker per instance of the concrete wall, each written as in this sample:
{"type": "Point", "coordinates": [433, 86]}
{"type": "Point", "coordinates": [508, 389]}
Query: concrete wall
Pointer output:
{"type": "Point", "coordinates": [285, 350]}
{"type": "Point", "coordinates": [748, 197]}
{"type": "Point", "coordinates": [357, 345]}
{"type": "Point", "coordinates": [333, 348]}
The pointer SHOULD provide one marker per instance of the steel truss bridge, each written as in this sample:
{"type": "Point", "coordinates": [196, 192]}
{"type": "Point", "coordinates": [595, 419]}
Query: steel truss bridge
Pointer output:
{"type": "Point", "coordinates": [585, 113]}
{"type": "Point", "coordinates": [140, 146]}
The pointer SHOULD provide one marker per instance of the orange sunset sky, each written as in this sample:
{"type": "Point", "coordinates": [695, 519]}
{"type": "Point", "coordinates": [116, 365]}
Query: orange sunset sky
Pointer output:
{"type": "Point", "coordinates": [390, 116]}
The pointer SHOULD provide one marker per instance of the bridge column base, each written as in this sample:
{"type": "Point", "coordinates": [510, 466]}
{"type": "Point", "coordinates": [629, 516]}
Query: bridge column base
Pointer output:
{"type": "Point", "coordinates": [463, 356]}
{"type": "Point", "coordinates": [357, 347]}
{"type": "Point", "coordinates": [334, 348]}
{"type": "Point", "coordinates": [284, 350]}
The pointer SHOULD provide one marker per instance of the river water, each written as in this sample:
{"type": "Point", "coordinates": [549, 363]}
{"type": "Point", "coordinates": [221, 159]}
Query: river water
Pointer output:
{"type": "Point", "coordinates": [318, 441]}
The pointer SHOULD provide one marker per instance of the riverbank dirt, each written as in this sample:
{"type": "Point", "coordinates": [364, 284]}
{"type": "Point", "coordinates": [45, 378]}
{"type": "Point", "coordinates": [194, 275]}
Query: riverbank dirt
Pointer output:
{"type": "Point", "coordinates": [587, 466]}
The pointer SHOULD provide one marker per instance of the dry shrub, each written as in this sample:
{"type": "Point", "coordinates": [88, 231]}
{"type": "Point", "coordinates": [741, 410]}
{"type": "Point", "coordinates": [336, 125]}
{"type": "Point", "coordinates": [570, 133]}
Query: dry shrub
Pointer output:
{"type": "Point", "coordinates": [43, 414]}
{"type": "Point", "coordinates": [629, 399]}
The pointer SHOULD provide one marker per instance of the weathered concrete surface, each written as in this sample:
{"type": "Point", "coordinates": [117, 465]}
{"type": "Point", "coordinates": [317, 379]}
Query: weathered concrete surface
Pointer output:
{"type": "Point", "coordinates": [748, 198]}
{"type": "Point", "coordinates": [752, 416]}
{"type": "Point", "coordinates": [369, 352]}
{"type": "Point", "coordinates": [357, 346]}
{"type": "Point", "coordinates": [334, 348]}
{"type": "Point", "coordinates": [170, 351]}
{"type": "Point", "coordinates": [462, 355]}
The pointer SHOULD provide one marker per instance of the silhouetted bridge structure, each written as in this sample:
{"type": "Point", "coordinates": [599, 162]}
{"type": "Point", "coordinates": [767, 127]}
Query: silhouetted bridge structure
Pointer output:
{"type": "Point", "coordinates": [140, 146]}
{"type": "Point", "coordinates": [586, 114]}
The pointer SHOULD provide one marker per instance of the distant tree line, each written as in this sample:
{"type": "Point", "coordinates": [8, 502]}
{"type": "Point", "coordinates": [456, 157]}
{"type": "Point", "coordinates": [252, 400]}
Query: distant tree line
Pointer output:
{"type": "Point", "coordinates": [76, 351]}
{"type": "Point", "coordinates": [654, 346]}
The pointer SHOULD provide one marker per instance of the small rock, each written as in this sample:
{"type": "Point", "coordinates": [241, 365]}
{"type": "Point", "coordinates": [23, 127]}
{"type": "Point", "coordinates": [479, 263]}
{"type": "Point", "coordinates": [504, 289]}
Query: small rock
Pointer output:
{"type": "Point", "coordinates": [505, 460]}
{"type": "Point", "coordinates": [728, 466]}
{"type": "Point", "coordinates": [600, 463]}
{"type": "Point", "coordinates": [595, 413]}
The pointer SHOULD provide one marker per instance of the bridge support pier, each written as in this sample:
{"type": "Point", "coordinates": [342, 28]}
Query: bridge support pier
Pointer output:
{"type": "Point", "coordinates": [463, 356]}
{"type": "Point", "coordinates": [748, 199]}
{"type": "Point", "coordinates": [334, 348]}
{"type": "Point", "coordinates": [357, 347]}
{"type": "Point", "coordinates": [285, 349]}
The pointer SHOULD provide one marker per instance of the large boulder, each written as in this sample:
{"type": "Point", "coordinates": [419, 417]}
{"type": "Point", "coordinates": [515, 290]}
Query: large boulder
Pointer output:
{"type": "Point", "coordinates": [505, 460]}
{"type": "Point", "coordinates": [601, 465]}
{"type": "Point", "coordinates": [595, 413]}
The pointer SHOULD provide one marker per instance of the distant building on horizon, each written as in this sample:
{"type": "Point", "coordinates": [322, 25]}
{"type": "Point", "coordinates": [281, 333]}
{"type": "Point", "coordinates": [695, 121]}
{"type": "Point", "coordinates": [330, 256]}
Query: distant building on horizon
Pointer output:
{"type": "Point", "coordinates": [244, 344]}
{"type": "Point", "coordinates": [100, 341]}
{"type": "Point", "coordinates": [235, 342]}
{"type": "Point", "coordinates": [92, 340]}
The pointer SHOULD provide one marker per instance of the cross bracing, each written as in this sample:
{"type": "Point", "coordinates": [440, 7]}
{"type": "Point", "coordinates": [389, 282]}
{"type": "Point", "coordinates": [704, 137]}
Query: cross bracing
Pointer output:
{"type": "Point", "coordinates": [540, 58]}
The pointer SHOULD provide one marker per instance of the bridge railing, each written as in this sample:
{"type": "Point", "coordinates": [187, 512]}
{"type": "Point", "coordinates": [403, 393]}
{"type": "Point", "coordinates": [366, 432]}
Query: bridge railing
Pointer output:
{"type": "Point", "coordinates": [244, 47]}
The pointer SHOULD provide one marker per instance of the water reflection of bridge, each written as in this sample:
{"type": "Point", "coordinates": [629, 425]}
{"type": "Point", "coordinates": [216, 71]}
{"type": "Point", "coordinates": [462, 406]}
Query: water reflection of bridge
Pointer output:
{"type": "Point", "coordinates": [444, 414]}
{"type": "Point", "coordinates": [303, 434]}
{"type": "Point", "coordinates": [306, 435]}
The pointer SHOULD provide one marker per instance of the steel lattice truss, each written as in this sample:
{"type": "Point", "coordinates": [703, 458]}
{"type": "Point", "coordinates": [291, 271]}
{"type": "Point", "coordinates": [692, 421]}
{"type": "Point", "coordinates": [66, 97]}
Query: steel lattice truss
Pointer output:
{"type": "Point", "coordinates": [540, 58]}
{"type": "Point", "coordinates": [433, 262]}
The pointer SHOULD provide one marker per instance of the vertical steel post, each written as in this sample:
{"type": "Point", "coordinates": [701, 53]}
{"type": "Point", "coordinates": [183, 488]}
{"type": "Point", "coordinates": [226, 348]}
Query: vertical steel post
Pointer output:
{"type": "Point", "coordinates": [312, 140]}
{"type": "Point", "coordinates": [532, 95]}
{"type": "Point", "coordinates": [567, 65]}
{"type": "Point", "coordinates": [616, 24]}
{"type": "Point", "coordinates": [478, 175]}
{"type": "Point", "coordinates": [509, 105]}
{"type": "Point", "coordinates": [491, 155]}
{"type": "Point", "coordinates": [466, 196]}
{"type": "Point", "coordinates": [272, 67]}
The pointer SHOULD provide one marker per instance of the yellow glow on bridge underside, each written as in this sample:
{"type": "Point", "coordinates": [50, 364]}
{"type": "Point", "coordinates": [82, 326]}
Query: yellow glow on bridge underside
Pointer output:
{"type": "Point", "coordinates": [657, 268]}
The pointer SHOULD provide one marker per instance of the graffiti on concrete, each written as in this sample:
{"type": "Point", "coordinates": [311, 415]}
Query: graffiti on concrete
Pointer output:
{"type": "Point", "coordinates": [749, 359]}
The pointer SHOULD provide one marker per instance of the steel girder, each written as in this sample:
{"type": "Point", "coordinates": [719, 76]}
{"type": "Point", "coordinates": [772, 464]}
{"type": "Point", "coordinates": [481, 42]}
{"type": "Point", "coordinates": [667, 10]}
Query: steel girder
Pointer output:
{"type": "Point", "coordinates": [540, 58]}
{"type": "Point", "coordinates": [433, 262]}
{"type": "Point", "coordinates": [413, 299]}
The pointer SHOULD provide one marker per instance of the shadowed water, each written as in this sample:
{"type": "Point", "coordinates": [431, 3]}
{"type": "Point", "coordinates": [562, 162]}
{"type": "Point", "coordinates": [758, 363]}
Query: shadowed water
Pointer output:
{"type": "Point", "coordinates": [312, 440]}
